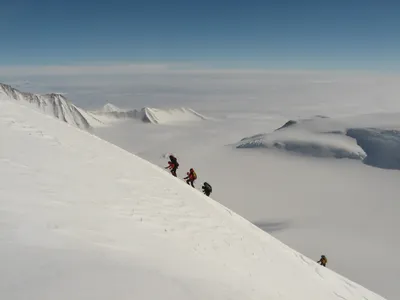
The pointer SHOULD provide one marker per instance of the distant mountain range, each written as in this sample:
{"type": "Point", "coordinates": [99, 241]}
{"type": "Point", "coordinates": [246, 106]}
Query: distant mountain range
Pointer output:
{"type": "Point", "coordinates": [58, 106]}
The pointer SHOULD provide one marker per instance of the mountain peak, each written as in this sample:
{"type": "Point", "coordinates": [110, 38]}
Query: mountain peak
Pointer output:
{"type": "Point", "coordinates": [54, 104]}
{"type": "Point", "coordinates": [111, 108]}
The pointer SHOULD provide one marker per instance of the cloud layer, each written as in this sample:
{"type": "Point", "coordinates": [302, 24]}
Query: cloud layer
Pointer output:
{"type": "Point", "coordinates": [209, 90]}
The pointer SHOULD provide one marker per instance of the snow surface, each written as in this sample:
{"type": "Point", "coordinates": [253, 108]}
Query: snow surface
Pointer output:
{"type": "Point", "coordinates": [163, 116]}
{"type": "Point", "coordinates": [171, 116]}
{"type": "Point", "coordinates": [83, 219]}
{"type": "Point", "coordinates": [61, 108]}
{"type": "Point", "coordinates": [374, 139]}
{"type": "Point", "coordinates": [299, 141]}
{"type": "Point", "coordinates": [55, 105]}
{"type": "Point", "coordinates": [338, 207]}
{"type": "Point", "coordinates": [108, 108]}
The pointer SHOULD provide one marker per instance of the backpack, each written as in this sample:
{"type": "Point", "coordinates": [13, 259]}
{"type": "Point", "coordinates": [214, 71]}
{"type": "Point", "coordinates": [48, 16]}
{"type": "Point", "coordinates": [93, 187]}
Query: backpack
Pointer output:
{"type": "Point", "coordinates": [194, 175]}
{"type": "Point", "coordinates": [173, 160]}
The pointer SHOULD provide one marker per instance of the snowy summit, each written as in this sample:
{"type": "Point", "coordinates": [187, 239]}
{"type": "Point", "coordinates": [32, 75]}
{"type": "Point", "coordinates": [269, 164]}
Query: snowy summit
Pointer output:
{"type": "Point", "coordinates": [56, 105]}
{"type": "Point", "coordinates": [160, 116]}
{"type": "Point", "coordinates": [109, 108]}
{"type": "Point", "coordinates": [84, 219]}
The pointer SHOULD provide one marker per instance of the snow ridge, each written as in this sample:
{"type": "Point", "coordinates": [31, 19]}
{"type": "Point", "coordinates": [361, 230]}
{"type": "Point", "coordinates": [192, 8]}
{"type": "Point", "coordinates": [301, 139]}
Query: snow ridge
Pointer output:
{"type": "Point", "coordinates": [58, 106]}
{"type": "Point", "coordinates": [151, 115]}
{"type": "Point", "coordinates": [109, 108]}
{"type": "Point", "coordinates": [165, 116]}
{"type": "Point", "coordinates": [53, 104]}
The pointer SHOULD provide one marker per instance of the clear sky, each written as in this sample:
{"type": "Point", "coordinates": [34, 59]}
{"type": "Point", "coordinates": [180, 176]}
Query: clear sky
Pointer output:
{"type": "Point", "coordinates": [253, 33]}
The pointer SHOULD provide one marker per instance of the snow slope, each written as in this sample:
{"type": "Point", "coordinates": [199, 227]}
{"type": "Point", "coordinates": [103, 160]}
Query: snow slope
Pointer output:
{"type": "Point", "coordinates": [94, 222]}
{"type": "Point", "coordinates": [55, 105]}
{"type": "Point", "coordinates": [373, 139]}
{"type": "Point", "coordinates": [339, 207]}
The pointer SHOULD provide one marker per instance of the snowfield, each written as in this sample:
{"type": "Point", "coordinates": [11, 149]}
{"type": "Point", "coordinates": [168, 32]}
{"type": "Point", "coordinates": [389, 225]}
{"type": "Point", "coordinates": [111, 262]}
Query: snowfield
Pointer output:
{"type": "Point", "coordinates": [374, 139]}
{"type": "Point", "coordinates": [307, 143]}
{"type": "Point", "coordinates": [84, 219]}
{"type": "Point", "coordinates": [344, 208]}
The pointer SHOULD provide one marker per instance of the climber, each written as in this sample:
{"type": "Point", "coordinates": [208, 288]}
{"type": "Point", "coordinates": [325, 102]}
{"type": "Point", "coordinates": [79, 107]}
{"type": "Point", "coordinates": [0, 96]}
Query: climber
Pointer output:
{"type": "Point", "coordinates": [191, 177]}
{"type": "Point", "coordinates": [207, 189]}
{"type": "Point", "coordinates": [172, 165]}
{"type": "Point", "coordinates": [323, 260]}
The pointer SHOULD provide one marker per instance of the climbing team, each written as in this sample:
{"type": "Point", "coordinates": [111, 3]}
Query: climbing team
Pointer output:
{"type": "Point", "coordinates": [191, 175]}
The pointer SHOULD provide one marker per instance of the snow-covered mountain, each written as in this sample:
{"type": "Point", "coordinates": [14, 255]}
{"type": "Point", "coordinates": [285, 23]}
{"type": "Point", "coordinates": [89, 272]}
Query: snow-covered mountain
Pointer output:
{"type": "Point", "coordinates": [58, 106]}
{"type": "Point", "coordinates": [150, 115]}
{"type": "Point", "coordinates": [110, 108]}
{"type": "Point", "coordinates": [168, 116]}
{"type": "Point", "coordinates": [95, 222]}
{"type": "Point", "coordinates": [53, 104]}
{"type": "Point", "coordinates": [373, 139]}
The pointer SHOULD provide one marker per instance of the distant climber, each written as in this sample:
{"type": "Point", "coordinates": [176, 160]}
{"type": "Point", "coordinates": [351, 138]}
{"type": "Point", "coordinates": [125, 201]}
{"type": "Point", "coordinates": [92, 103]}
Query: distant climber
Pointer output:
{"type": "Point", "coordinates": [172, 165]}
{"type": "Point", "coordinates": [207, 189]}
{"type": "Point", "coordinates": [323, 260]}
{"type": "Point", "coordinates": [191, 177]}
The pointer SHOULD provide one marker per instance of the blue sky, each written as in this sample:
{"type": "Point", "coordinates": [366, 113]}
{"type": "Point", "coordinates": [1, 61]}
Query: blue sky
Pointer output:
{"type": "Point", "coordinates": [264, 34]}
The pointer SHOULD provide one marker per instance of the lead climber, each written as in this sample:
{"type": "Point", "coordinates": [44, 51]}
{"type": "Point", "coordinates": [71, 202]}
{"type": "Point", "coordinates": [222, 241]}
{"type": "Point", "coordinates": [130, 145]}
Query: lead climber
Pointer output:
{"type": "Point", "coordinates": [172, 165]}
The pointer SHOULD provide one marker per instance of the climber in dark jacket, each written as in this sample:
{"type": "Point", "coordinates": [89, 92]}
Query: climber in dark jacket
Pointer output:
{"type": "Point", "coordinates": [172, 165]}
{"type": "Point", "coordinates": [323, 260]}
{"type": "Point", "coordinates": [207, 189]}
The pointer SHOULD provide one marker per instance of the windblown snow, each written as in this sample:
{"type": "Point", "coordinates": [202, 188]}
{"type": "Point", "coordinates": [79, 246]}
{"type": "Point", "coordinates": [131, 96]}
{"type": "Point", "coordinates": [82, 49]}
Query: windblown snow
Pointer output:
{"type": "Point", "coordinates": [83, 219]}
{"type": "Point", "coordinates": [373, 139]}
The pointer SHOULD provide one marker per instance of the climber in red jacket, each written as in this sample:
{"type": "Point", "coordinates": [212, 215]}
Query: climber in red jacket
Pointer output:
{"type": "Point", "coordinates": [191, 177]}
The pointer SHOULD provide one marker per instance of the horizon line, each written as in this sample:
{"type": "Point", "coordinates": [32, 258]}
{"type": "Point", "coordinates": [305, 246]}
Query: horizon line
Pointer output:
{"type": "Point", "coordinates": [132, 68]}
